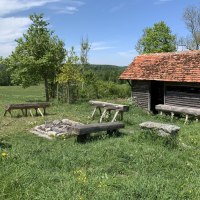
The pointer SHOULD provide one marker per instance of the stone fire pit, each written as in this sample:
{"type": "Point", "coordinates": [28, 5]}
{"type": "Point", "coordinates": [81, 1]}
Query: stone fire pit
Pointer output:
{"type": "Point", "coordinates": [56, 128]}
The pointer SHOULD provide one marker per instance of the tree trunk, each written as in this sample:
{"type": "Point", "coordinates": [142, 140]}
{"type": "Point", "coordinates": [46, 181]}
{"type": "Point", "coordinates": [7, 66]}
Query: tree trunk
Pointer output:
{"type": "Point", "coordinates": [68, 93]}
{"type": "Point", "coordinates": [46, 89]}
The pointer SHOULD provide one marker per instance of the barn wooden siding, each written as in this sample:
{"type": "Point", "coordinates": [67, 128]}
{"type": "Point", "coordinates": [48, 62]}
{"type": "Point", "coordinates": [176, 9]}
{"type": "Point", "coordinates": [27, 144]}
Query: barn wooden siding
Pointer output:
{"type": "Point", "coordinates": [140, 93]}
{"type": "Point", "coordinates": [180, 98]}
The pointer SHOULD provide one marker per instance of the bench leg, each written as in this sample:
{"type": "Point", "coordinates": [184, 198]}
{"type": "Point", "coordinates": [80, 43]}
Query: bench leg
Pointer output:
{"type": "Point", "coordinates": [5, 113]}
{"type": "Point", "coordinates": [36, 112]}
{"type": "Point", "coordinates": [82, 138]}
{"type": "Point", "coordinates": [112, 132]}
{"type": "Point", "coordinates": [40, 112]}
{"type": "Point", "coordinates": [186, 119]}
{"type": "Point", "coordinates": [172, 116]}
{"type": "Point", "coordinates": [31, 113]}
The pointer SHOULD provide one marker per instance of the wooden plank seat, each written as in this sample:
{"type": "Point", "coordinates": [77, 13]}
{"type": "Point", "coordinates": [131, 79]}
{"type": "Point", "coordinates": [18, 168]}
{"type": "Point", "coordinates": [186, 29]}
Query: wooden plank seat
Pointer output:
{"type": "Point", "coordinates": [163, 129]}
{"type": "Point", "coordinates": [27, 106]}
{"type": "Point", "coordinates": [107, 108]}
{"type": "Point", "coordinates": [82, 131]}
{"type": "Point", "coordinates": [180, 110]}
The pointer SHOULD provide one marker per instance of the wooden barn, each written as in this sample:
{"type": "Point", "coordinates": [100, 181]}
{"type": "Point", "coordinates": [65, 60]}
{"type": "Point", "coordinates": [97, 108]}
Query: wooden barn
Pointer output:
{"type": "Point", "coordinates": [165, 78]}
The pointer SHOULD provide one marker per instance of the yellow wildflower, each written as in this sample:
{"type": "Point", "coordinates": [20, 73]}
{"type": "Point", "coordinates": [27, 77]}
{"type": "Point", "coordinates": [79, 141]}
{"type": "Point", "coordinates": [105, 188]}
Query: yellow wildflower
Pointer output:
{"type": "Point", "coordinates": [4, 154]}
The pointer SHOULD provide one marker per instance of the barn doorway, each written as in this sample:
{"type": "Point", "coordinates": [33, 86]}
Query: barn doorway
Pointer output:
{"type": "Point", "coordinates": [156, 94]}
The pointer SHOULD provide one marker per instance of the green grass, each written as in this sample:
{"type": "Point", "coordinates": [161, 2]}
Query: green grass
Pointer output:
{"type": "Point", "coordinates": [135, 165]}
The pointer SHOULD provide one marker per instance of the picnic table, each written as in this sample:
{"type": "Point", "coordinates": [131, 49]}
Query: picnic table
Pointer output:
{"type": "Point", "coordinates": [107, 108]}
{"type": "Point", "coordinates": [27, 106]}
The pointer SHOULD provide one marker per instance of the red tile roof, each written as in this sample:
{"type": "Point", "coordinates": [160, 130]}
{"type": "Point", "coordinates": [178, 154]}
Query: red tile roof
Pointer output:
{"type": "Point", "coordinates": [176, 66]}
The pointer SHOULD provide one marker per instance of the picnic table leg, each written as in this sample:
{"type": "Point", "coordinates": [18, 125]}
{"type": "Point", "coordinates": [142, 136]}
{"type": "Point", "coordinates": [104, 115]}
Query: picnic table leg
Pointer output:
{"type": "Point", "coordinates": [44, 111]}
{"type": "Point", "coordinates": [6, 113]}
{"type": "Point", "coordinates": [93, 112]}
{"type": "Point", "coordinates": [122, 116]}
{"type": "Point", "coordinates": [115, 116]}
{"type": "Point", "coordinates": [100, 110]}
{"type": "Point", "coordinates": [103, 114]}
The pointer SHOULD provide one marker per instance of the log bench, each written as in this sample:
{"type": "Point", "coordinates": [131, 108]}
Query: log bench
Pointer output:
{"type": "Point", "coordinates": [107, 108]}
{"type": "Point", "coordinates": [82, 131]}
{"type": "Point", "coordinates": [25, 107]}
{"type": "Point", "coordinates": [179, 110]}
{"type": "Point", "coordinates": [163, 129]}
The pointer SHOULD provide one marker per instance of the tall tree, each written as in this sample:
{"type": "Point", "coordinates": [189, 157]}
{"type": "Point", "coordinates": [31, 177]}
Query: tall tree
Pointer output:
{"type": "Point", "coordinates": [4, 73]}
{"type": "Point", "coordinates": [70, 73]}
{"type": "Point", "coordinates": [38, 55]}
{"type": "Point", "coordinates": [157, 39]}
{"type": "Point", "coordinates": [85, 48]}
{"type": "Point", "coordinates": [191, 18]}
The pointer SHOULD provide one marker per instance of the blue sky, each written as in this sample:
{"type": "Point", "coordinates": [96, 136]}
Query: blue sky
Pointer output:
{"type": "Point", "coordinates": [113, 27]}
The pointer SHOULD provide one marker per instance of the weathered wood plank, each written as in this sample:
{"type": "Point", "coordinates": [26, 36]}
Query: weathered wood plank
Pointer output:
{"type": "Point", "coordinates": [92, 128]}
{"type": "Point", "coordinates": [26, 106]}
{"type": "Point", "coordinates": [178, 109]}
{"type": "Point", "coordinates": [101, 104]}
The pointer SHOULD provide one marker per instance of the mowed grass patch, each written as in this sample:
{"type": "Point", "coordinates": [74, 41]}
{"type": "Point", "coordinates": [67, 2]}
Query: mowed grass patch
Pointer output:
{"type": "Point", "coordinates": [135, 165]}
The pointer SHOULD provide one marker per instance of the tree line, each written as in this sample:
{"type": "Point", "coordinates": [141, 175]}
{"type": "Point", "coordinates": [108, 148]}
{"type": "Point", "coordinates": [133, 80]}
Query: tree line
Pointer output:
{"type": "Point", "coordinates": [40, 56]}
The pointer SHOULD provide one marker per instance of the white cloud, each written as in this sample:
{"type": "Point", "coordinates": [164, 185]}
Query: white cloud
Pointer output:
{"type": "Point", "coordinates": [99, 46]}
{"type": "Point", "coordinates": [70, 7]}
{"type": "Point", "coordinates": [11, 29]}
{"type": "Point", "coordinates": [14, 6]}
{"type": "Point", "coordinates": [67, 10]}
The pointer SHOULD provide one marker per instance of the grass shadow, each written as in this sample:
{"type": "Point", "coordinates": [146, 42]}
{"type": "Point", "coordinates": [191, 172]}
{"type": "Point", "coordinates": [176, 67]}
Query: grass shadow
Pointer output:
{"type": "Point", "coordinates": [4, 145]}
{"type": "Point", "coordinates": [36, 101]}
{"type": "Point", "coordinates": [153, 136]}
{"type": "Point", "coordinates": [83, 139]}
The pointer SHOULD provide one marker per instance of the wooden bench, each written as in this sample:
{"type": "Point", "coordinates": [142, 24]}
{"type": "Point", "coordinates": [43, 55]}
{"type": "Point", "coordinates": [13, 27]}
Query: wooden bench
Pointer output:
{"type": "Point", "coordinates": [163, 129]}
{"type": "Point", "coordinates": [25, 107]}
{"type": "Point", "coordinates": [82, 131]}
{"type": "Point", "coordinates": [180, 110]}
{"type": "Point", "coordinates": [107, 108]}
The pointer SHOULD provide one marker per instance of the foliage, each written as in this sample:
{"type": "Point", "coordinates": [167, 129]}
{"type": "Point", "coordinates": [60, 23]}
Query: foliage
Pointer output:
{"type": "Point", "coordinates": [38, 55]}
{"type": "Point", "coordinates": [107, 72]}
{"type": "Point", "coordinates": [135, 165]}
{"type": "Point", "coordinates": [4, 73]}
{"type": "Point", "coordinates": [70, 74]}
{"type": "Point", "coordinates": [157, 39]}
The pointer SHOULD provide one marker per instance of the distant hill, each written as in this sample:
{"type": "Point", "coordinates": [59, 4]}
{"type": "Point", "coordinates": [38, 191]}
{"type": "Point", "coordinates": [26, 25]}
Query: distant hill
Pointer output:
{"type": "Point", "coordinates": [107, 72]}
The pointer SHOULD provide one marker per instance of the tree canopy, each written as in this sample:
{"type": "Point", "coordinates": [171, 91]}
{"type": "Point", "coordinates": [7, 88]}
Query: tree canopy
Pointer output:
{"type": "Point", "coordinates": [38, 55]}
{"type": "Point", "coordinates": [157, 39]}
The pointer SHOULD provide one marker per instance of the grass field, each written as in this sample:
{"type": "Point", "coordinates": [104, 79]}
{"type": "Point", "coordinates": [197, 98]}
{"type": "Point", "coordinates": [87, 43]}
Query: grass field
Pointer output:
{"type": "Point", "coordinates": [134, 165]}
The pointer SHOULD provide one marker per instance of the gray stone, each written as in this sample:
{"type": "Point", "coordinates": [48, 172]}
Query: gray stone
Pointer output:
{"type": "Point", "coordinates": [56, 122]}
{"type": "Point", "coordinates": [163, 129]}
{"type": "Point", "coordinates": [56, 128]}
